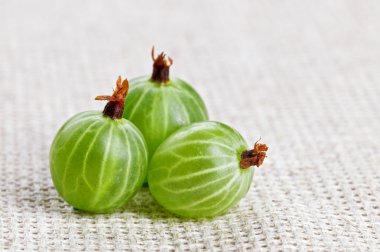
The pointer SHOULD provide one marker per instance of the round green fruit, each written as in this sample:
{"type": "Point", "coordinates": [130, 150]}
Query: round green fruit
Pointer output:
{"type": "Point", "coordinates": [99, 161]}
{"type": "Point", "coordinates": [159, 105]}
{"type": "Point", "coordinates": [203, 170]}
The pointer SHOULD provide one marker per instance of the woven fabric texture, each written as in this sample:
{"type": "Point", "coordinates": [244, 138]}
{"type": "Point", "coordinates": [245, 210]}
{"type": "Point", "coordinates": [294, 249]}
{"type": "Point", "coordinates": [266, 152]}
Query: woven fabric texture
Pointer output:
{"type": "Point", "coordinates": [303, 75]}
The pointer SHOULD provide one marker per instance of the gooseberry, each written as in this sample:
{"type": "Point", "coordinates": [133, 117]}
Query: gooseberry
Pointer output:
{"type": "Point", "coordinates": [203, 169]}
{"type": "Point", "coordinates": [159, 105]}
{"type": "Point", "coordinates": [98, 161]}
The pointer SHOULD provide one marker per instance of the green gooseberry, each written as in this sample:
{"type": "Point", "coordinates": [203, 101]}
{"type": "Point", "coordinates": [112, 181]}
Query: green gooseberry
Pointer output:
{"type": "Point", "coordinates": [98, 161]}
{"type": "Point", "coordinates": [159, 105]}
{"type": "Point", "coordinates": [203, 169]}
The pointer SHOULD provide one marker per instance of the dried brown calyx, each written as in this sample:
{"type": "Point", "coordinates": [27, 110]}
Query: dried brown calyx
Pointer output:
{"type": "Point", "coordinates": [161, 67]}
{"type": "Point", "coordinates": [115, 106]}
{"type": "Point", "coordinates": [254, 157]}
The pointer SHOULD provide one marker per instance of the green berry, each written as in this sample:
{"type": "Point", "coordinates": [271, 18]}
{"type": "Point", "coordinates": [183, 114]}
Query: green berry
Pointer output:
{"type": "Point", "coordinates": [99, 161]}
{"type": "Point", "coordinates": [159, 105]}
{"type": "Point", "coordinates": [203, 170]}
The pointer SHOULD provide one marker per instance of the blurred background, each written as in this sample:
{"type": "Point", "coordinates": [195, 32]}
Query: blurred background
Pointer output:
{"type": "Point", "coordinates": [261, 58]}
{"type": "Point", "coordinates": [303, 75]}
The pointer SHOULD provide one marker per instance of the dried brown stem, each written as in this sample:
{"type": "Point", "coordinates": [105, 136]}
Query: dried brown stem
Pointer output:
{"type": "Point", "coordinates": [254, 157]}
{"type": "Point", "coordinates": [115, 106]}
{"type": "Point", "coordinates": [161, 67]}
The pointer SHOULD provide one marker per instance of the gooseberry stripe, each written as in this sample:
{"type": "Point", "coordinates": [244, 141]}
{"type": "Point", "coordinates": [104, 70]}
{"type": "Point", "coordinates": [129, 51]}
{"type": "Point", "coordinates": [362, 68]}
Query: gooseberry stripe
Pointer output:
{"type": "Point", "coordinates": [198, 158]}
{"type": "Point", "coordinates": [151, 114]}
{"type": "Point", "coordinates": [192, 159]}
{"type": "Point", "coordinates": [79, 117]}
{"type": "Point", "coordinates": [131, 141]}
{"type": "Point", "coordinates": [233, 198]}
{"type": "Point", "coordinates": [106, 156]}
{"type": "Point", "coordinates": [212, 135]}
{"type": "Point", "coordinates": [190, 92]}
{"type": "Point", "coordinates": [236, 196]}
{"type": "Point", "coordinates": [186, 107]}
{"type": "Point", "coordinates": [87, 171]}
{"type": "Point", "coordinates": [196, 128]}
{"type": "Point", "coordinates": [172, 154]}
{"type": "Point", "coordinates": [206, 133]}
{"type": "Point", "coordinates": [213, 195]}
{"type": "Point", "coordinates": [137, 104]}
{"type": "Point", "coordinates": [174, 167]}
{"type": "Point", "coordinates": [67, 192]}
{"type": "Point", "coordinates": [128, 182]}
{"type": "Point", "coordinates": [167, 153]}
{"type": "Point", "coordinates": [233, 137]}
{"type": "Point", "coordinates": [62, 146]}
{"type": "Point", "coordinates": [170, 150]}
{"type": "Point", "coordinates": [197, 174]}
{"type": "Point", "coordinates": [166, 115]}
{"type": "Point", "coordinates": [232, 191]}
{"type": "Point", "coordinates": [131, 97]}
{"type": "Point", "coordinates": [202, 111]}
{"type": "Point", "coordinates": [73, 151]}
{"type": "Point", "coordinates": [204, 129]}
{"type": "Point", "coordinates": [78, 120]}
{"type": "Point", "coordinates": [123, 194]}
{"type": "Point", "coordinates": [197, 142]}
{"type": "Point", "coordinates": [195, 189]}
{"type": "Point", "coordinates": [72, 127]}
{"type": "Point", "coordinates": [133, 129]}
{"type": "Point", "coordinates": [141, 142]}
{"type": "Point", "coordinates": [216, 208]}
{"type": "Point", "coordinates": [185, 113]}
{"type": "Point", "coordinates": [177, 87]}
{"type": "Point", "coordinates": [195, 102]}
{"type": "Point", "coordinates": [90, 148]}
{"type": "Point", "coordinates": [122, 191]}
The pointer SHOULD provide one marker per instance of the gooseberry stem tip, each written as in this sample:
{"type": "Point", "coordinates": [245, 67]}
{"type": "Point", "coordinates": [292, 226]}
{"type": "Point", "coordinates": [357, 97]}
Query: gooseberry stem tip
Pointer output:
{"type": "Point", "coordinates": [161, 67]}
{"type": "Point", "coordinates": [115, 106]}
{"type": "Point", "coordinates": [254, 157]}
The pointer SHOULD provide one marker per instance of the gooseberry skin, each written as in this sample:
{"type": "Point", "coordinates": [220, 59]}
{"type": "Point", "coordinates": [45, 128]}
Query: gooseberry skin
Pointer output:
{"type": "Point", "coordinates": [195, 172]}
{"type": "Point", "coordinates": [97, 164]}
{"type": "Point", "coordinates": [159, 109]}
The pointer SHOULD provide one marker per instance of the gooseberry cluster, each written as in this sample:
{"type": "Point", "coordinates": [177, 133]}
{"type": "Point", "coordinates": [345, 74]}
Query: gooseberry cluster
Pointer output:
{"type": "Point", "coordinates": [159, 135]}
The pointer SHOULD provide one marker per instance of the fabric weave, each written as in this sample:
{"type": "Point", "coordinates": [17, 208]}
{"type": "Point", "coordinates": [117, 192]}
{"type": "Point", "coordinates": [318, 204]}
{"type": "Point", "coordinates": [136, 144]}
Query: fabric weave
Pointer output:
{"type": "Point", "coordinates": [303, 75]}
